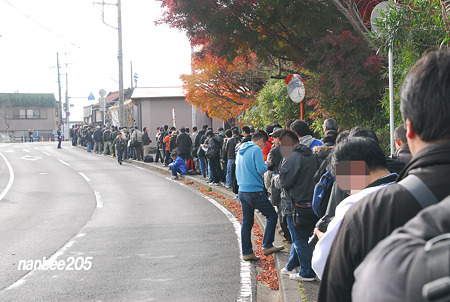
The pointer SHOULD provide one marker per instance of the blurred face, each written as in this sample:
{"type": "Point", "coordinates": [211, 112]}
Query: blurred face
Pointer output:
{"type": "Point", "coordinates": [352, 176]}
{"type": "Point", "coordinates": [287, 145]}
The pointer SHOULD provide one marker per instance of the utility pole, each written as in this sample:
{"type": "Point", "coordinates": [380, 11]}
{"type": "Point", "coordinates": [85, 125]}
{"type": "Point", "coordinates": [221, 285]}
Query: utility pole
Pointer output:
{"type": "Point", "coordinates": [67, 103]}
{"type": "Point", "coordinates": [59, 90]}
{"type": "Point", "coordinates": [119, 55]}
{"type": "Point", "coordinates": [131, 74]}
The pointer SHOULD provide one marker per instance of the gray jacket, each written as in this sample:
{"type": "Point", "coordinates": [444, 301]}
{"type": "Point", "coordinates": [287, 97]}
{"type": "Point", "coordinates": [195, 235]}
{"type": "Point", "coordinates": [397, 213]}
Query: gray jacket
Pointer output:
{"type": "Point", "coordinates": [296, 178]}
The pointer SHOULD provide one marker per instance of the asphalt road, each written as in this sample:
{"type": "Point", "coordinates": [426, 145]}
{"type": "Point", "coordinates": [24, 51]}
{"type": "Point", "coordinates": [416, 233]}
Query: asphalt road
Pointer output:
{"type": "Point", "coordinates": [111, 232]}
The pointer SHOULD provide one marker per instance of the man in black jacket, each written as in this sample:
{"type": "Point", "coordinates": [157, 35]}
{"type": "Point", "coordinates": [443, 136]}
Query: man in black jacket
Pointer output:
{"type": "Point", "coordinates": [425, 106]}
{"type": "Point", "coordinates": [230, 154]}
{"type": "Point", "coordinates": [184, 144]}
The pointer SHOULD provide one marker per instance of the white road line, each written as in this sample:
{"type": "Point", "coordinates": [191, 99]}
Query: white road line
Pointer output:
{"type": "Point", "coordinates": [84, 176]}
{"type": "Point", "coordinates": [63, 162]}
{"type": "Point", "coordinates": [98, 197]}
{"type": "Point", "coordinates": [246, 276]}
{"type": "Point", "coordinates": [46, 153]}
{"type": "Point", "coordinates": [11, 177]}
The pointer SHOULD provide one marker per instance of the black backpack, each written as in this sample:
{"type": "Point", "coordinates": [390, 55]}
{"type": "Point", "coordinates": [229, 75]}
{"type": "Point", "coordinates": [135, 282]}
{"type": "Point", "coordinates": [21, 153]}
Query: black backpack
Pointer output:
{"type": "Point", "coordinates": [148, 159]}
{"type": "Point", "coordinates": [428, 277]}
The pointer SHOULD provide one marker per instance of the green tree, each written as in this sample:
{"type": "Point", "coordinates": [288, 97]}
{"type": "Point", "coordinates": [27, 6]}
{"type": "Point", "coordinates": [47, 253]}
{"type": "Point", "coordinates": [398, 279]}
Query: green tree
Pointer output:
{"type": "Point", "coordinates": [411, 29]}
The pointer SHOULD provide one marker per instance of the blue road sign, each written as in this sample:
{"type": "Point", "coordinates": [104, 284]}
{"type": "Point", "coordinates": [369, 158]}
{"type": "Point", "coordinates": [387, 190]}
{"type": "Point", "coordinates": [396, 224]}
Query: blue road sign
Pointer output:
{"type": "Point", "coordinates": [91, 97]}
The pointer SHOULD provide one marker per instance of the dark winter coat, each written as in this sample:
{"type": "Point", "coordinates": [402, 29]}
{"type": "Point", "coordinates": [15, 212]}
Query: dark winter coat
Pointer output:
{"type": "Point", "coordinates": [375, 216]}
{"type": "Point", "coordinates": [184, 143]}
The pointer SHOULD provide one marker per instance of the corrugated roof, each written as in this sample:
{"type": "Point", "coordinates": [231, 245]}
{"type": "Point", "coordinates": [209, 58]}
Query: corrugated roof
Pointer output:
{"type": "Point", "coordinates": [157, 92]}
{"type": "Point", "coordinates": [29, 99]}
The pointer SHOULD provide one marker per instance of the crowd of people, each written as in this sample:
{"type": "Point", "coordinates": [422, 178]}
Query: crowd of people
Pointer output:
{"type": "Point", "coordinates": [356, 218]}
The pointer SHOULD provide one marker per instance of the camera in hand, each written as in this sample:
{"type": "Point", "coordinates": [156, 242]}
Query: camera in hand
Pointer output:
{"type": "Point", "coordinates": [322, 225]}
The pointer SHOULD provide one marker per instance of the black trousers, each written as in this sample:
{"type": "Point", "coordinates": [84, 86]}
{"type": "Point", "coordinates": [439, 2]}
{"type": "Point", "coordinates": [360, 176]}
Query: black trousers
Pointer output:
{"type": "Point", "coordinates": [119, 154]}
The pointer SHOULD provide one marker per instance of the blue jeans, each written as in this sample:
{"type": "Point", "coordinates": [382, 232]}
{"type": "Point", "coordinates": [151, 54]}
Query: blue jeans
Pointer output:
{"type": "Point", "coordinates": [166, 157]}
{"type": "Point", "coordinates": [229, 164]}
{"type": "Point", "coordinates": [301, 252]}
{"type": "Point", "coordinates": [175, 171]}
{"type": "Point", "coordinates": [202, 165]}
{"type": "Point", "coordinates": [90, 146]}
{"type": "Point", "coordinates": [249, 202]}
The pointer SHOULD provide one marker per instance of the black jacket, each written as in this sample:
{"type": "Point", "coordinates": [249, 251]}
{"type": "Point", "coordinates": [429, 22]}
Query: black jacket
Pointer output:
{"type": "Point", "coordinates": [229, 152]}
{"type": "Point", "coordinates": [375, 216]}
{"type": "Point", "coordinates": [184, 143]}
{"type": "Point", "coordinates": [296, 178]}
{"type": "Point", "coordinates": [376, 280]}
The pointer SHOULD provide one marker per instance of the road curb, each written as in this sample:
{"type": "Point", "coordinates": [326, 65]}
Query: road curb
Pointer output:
{"type": "Point", "coordinates": [289, 290]}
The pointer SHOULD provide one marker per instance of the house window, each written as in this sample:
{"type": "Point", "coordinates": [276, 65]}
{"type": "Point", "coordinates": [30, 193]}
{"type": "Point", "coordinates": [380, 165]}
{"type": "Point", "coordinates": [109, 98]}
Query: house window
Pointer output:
{"type": "Point", "coordinates": [28, 114]}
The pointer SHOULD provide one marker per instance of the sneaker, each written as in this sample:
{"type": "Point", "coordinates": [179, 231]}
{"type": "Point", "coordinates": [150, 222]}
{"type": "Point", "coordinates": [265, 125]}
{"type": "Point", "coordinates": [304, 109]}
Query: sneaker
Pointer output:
{"type": "Point", "coordinates": [297, 277]}
{"type": "Point", "coordinates": [214, 184]}
{"type": "Point", "coordinates": [227, 187]}
{"type": "Point", "coordinates": [284, 271]}
{"type": "Point", "coordinates": [274, 249]}
{"type": "Point", "coordinates": [174, 177]}
{"type": "Point", "coordinates": [250, 257]}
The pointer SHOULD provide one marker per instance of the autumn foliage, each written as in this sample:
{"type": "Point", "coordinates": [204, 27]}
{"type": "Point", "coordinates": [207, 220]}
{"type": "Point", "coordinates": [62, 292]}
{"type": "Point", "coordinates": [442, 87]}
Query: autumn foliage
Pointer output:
{"type": "Point", "coordinates": [223, 90]}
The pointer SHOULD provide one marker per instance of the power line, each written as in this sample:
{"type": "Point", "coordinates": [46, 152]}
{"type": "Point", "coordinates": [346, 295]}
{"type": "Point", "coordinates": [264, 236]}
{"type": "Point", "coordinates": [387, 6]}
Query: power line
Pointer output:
{"type": "Point", "coordinates": [43, 26]}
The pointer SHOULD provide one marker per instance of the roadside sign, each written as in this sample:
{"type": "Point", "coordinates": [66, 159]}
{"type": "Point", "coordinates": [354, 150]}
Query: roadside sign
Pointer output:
{"type": "Point", "coordinates": [91, 97]}
{"type": "Point", "coordinates": [67, 113]}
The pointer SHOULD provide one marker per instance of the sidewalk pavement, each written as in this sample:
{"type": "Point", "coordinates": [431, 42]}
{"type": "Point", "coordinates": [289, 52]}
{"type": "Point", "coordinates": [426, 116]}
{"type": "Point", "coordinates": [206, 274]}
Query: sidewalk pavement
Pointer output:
{"type": "Point", "coordinates": [290, 290]}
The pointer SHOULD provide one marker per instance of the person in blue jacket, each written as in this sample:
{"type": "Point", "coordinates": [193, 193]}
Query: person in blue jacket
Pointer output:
{"type": "Point", "coordinates": [177, 166]}
{"type": "Point", "coordinates": [250, 166]}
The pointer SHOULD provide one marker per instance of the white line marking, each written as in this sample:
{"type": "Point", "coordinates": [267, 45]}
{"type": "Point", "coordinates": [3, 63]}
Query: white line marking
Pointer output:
{"type": "Point", "coordinates": [46, 153]}
{"type": "Point", "coordinates": [17, 283]}
{"type": "Point", "coordinates": [11, 178]}
{"type": "Point", "coordinates": [246, 277]}
{"type": "Point", "coordinates": [29, 157]}
{"type": "Point", "coordinates": [98, 197]}
{"type": "Point", "coordinates": [63, 162]}
{"type": "Point", "coordinates": [84, 176]}
{"type": "Point", "coordinates": [26, 150]}
{"type": "Point", "coordinates": [44, 173]}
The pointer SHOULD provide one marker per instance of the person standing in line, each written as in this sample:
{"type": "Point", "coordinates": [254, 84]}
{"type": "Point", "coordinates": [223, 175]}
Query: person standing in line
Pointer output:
{"type": "Point", "coordinates": [250, 166]}
{"type": "Point", "coordinates": [146, 141]}
{"type": "Point", "coordinates": [296, 181]}
{"type": "Point", "coordinates": [136, 139]}
{"type": "Point", "coordinates": [30, 135]}
{"type": "Point", "coordinates": [59, 137]}
{"type": "Point", "coordinates": [184, 144]}
{"type": "Point", "coordinates": [97, 136]}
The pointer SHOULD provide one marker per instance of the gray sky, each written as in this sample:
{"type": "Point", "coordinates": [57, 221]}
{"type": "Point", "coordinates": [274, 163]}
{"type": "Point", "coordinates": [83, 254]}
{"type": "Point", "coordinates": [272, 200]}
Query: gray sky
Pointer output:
{"type": "Point", "coordinates": [32, 32]}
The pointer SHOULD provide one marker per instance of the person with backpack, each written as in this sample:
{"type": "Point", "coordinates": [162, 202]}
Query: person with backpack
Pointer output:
{"type": "Point", "coordinates": [425, 107]}
{"type": "Point", "coordinates": [213, 155]}
{"type": "Point", "coordinates": [274, 159]}
{"type": "Point", "coordinates": [136, 143]}
{"type": "Point", "coordinates": [360, 168]}
{"type": "Point", "coordinates": [295, 180]}
{"type": "Point", "coordinates": [107, 140]}
{"type": "Point", "coordinates": [199, 142]}
{"type": "Point", "coordinates": [412, 264]}
{"type": "Point", "coordinates": [184, 144]}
